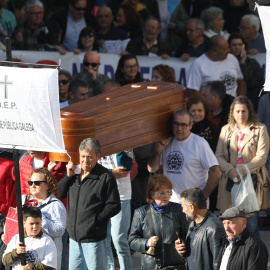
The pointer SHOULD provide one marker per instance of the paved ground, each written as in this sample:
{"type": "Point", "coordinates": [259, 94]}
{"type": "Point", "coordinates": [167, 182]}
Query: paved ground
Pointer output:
{"type": "Point", "coordinates": [265, 236]}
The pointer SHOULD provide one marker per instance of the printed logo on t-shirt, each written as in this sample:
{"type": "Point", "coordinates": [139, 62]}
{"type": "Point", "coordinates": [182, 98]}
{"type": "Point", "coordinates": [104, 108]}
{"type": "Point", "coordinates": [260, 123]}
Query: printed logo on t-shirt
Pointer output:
{"type": "Point", "coordinates": [31, 256]}
{"type": "Point", "coordinates": [175, 162]}
{"type": "Point", "coordinates": [228, 79]}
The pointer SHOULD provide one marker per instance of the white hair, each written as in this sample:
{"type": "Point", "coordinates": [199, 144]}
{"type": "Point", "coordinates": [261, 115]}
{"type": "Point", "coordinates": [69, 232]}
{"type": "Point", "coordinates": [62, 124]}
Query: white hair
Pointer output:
{"type": "Point", "coordinates": [253, 20]}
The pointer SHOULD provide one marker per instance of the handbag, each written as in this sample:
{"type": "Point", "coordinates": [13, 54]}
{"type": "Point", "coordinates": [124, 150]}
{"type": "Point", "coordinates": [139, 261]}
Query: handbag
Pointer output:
{"type": "Point", "coordinates": [243, 194]}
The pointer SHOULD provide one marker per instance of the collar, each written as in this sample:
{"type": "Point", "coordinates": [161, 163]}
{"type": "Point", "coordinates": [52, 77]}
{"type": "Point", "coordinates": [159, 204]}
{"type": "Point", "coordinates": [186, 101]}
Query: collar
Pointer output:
{"type": "Point", "coordinates": [38, 236]}
{"type": "Point", "coordinates": [196, 227]}
{"type": "Point", "coordinates": [148, 47]}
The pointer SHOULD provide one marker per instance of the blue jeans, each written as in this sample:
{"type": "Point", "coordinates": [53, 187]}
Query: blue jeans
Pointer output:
{"type": "Point", "coordinates": [118, 230]}
{"type": "Point", "coordinates": [91, 256]}
{"type": "Point", "coordinates": [64, 252]}
{"type": "Point", "coordinates": [252, 224]}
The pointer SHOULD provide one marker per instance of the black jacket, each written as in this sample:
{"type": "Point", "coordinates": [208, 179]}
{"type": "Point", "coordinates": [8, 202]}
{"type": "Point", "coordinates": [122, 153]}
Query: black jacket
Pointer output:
{"type": "Point", "coordinates": [207, 242]}
{"type": "Point", "coordinates": [248, 253]}
{"type": "Point", "coordinates": [91, 203]}
{"type": "Point", "coordinates": [166, 225]}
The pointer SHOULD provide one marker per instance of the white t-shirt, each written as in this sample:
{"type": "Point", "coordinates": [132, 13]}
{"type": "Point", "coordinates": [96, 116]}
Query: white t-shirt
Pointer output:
{"type": "Point", "coordinates": [123, 183]}
{"type": "Point", "coordinates": [186, 163]}
{"type": "Point", "coordinates": [204, 70]}
{"type": "Point", "coordinates": [41, 250]}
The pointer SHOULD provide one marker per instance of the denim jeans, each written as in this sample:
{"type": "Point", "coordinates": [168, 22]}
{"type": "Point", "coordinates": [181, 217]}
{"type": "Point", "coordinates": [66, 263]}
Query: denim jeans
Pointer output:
{"type": "Point", "coordinates": [91, 256]}
{"type": "Point", "coordinates": [118, 230]}
{"type": "Point", "coordinates": [64, 252]}
{"type": "Point", "coordinates": [252, 224]}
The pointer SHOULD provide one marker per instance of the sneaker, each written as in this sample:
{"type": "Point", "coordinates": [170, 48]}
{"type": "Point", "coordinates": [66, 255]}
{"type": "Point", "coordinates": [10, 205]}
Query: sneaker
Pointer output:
{"type": "Point", "coordinates": [266, 222]}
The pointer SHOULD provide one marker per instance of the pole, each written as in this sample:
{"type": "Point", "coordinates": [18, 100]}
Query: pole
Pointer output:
{"type": "Point", "coordinates": [17, 175]}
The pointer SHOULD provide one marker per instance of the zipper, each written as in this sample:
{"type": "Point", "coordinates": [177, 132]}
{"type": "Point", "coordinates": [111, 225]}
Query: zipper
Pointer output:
{"type": "Point", "coordinates": [77, 211]}
{"type": "Point", "coordinates": [162, 236]}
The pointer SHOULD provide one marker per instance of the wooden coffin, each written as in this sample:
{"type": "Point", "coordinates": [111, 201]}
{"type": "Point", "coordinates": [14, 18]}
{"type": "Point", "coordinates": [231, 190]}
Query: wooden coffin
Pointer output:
{"type": "Point", "coordinates": [124, 118]}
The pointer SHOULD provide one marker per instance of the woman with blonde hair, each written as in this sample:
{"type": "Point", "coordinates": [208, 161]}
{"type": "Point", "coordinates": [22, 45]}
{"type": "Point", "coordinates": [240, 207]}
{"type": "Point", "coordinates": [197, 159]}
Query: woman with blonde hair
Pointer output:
{"type": "Point", "coordinates": [243, 141]}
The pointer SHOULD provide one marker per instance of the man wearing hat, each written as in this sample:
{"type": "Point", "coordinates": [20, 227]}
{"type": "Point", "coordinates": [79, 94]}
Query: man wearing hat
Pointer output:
{"type": "Point", "coordinates": [240, 249]}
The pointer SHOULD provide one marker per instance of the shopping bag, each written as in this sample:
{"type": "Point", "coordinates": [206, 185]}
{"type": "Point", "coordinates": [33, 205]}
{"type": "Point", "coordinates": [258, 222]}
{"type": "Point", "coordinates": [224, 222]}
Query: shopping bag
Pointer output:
{"type": "Point", "coordinates": [243, 194]}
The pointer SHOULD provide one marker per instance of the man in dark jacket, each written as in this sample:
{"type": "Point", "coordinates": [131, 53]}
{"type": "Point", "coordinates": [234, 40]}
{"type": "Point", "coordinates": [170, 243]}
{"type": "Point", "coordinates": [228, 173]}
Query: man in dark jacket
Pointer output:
{"type": "Point", "coordinates": [204, 237]}
{"type": "Point", "coordinates": [241, 249]}
{"type": "Point", "coordinates": [93, 198]}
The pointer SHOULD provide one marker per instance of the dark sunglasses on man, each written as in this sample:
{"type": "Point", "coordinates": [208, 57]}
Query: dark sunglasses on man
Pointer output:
{"type": "Point", "coordinates": [37, 183]}
{"type": "Point", "coordinates": [87, 64]}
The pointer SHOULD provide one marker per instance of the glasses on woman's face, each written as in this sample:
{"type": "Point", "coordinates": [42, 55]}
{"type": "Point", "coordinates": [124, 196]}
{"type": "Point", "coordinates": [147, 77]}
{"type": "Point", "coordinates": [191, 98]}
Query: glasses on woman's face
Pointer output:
{"type": "Point", "coordinates": [64, 82]}
{"type": "Point", "coordinates": [163, 194]}
{"type": "Point", "coordinates": [88, 35]}
{"type": "Point", "coordinates": [37, 183]}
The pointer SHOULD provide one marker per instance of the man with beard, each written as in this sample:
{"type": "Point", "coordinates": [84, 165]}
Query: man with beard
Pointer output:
{"type": "Point", "coordinates": [205, 233]}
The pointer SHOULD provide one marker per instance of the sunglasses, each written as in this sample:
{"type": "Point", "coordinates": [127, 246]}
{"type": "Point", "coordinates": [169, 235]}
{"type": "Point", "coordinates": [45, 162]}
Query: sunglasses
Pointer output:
{"type": "Point", "coordinates": [79, 9]}
{"type": "Point", "coordinates": [87, 64]}
{"type": "Point", "coordinates": [37, 183]}
{"type": "Point", "coordinates": [64, 82]}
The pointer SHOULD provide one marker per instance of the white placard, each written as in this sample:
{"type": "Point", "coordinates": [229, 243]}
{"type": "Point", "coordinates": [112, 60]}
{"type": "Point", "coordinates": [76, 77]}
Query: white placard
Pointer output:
{"type": "Point", "coordinates": [29, 109]}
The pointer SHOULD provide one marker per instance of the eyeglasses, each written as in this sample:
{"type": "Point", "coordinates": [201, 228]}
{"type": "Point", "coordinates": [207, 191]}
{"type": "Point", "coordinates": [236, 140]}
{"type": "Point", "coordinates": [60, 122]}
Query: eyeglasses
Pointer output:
{"type": "Point", "coordinates": [36, 13]}
{"type": "Point", "coordinates": [37, 183]}
{"type": "Point", "coordinates": [64, 82]}
{"type": "Point", "coordinates": [182, 125]}
{"type": "Point", "coordinates": [130, 67]}
{"type": "Point", "coordinates": [87, 64]}
{"type": "Point", "coordinates": [88, 35]}
{"type": "Point", "coordinates": [244, 27]}
{"type": "Point", "coordinates": [79, 9]}
{"type": "Point", "coordinates": [163, 194]}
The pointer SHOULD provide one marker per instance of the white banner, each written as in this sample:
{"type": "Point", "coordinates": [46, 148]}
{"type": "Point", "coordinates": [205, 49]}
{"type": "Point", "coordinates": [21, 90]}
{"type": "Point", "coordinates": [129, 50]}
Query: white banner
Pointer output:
{"type": "Point", "coordinates": [264, 14]}
{"type": "Point", "coordinates": [29, 109]}
{"type": "Point", "coordinates": [73, 63]}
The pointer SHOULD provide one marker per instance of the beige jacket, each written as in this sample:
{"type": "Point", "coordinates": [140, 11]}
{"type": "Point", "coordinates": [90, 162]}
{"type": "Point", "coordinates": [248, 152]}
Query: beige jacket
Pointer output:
{"type": "Point", "coordinates": [255, 149]}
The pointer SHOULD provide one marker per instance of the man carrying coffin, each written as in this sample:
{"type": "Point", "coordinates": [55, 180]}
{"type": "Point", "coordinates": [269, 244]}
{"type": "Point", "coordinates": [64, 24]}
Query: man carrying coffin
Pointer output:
{"type": "Point", "coordinates": [93, 198]}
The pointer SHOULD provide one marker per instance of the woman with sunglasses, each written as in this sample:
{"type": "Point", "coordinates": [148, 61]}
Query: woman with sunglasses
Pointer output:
{"type": "Point", "coordinates": [128, 70]}
{"type": "Point", "coordinates": [43, 188]}
{"type": "Point", "coordinates": [64, 79]}
{"type": "Point", "coordinates": [157, 241]}
{"type": "Point", "coordinates": [87, 41]}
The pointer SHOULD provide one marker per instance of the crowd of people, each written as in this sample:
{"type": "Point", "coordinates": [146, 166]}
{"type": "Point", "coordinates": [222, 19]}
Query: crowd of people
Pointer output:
{"type": "Point", "coordinates": [159, 199]}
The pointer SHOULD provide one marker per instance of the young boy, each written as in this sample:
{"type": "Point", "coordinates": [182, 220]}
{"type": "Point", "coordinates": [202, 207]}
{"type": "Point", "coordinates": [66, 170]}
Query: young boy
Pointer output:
{"type": "Point", "coordinates": [39, 248]}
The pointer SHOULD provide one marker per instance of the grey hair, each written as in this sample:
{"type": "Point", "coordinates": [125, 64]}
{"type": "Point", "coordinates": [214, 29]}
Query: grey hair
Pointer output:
{"type": "Point", "coordinates": [90, 144]}
{"type": "Point", "coordinates": [32, 3]}
{"type": "Point", "coordinates": [199, 23]}
{"type": "Point", "coordinates": [253, 20]}
{"type": "Point", "coordinates": [183, 112]}
{"type": "Point", "coordinates": [209, 15]}
{"type": "Point", "coordinates": [195, 197]}
{"type": "Point", "coordinates": [217, 88]}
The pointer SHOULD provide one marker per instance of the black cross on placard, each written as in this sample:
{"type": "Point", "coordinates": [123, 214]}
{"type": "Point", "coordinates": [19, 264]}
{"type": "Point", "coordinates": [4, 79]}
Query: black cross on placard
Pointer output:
{"type": "Point", "coordinates": [5, 84]}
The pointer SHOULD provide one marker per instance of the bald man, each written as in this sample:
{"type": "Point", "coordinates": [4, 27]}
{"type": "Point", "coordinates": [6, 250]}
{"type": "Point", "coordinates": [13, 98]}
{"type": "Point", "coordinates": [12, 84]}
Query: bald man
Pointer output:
{"type": "Point", "coordinates": [90, 75]}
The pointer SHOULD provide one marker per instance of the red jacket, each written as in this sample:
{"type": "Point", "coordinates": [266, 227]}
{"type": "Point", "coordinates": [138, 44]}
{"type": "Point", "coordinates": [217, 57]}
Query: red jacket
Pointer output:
{"type": "Point", "coordinates": [26, 168]}
{"type": "Point", "coordinates": [7, 185]}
